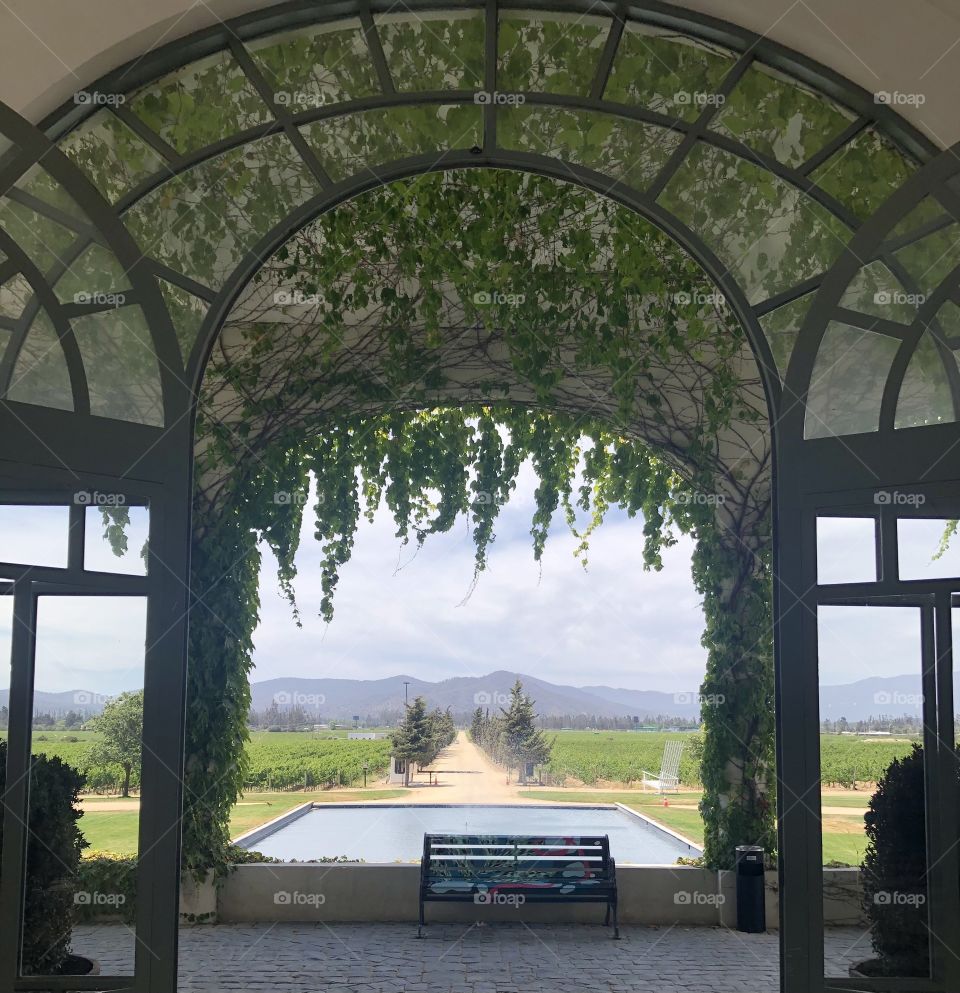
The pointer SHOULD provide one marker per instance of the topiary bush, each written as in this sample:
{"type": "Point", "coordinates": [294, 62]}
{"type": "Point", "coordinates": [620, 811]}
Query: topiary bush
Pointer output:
{"type": "Point", "coordinates": [53, 855]}
{"type": "Point", "coordinates": [895, 870]}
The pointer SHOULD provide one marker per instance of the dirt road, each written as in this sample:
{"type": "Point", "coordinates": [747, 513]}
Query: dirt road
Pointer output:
{"type": "Point", "coordinates": [464, 775]}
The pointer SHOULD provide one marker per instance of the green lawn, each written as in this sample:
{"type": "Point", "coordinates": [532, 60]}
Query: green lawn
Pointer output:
{"type": "Point", "coordinates": [116, 830]}
{"type": "Point", "coordinates": [846, 843]}
{"type": "Point", "coordinates": [111, 830]}
{"type": "Point", "coordinates": [683, 821]}
{"type": "Point", "coordinates": [856, 798]}
{"type": "Point", "coordinates": [846, 848]}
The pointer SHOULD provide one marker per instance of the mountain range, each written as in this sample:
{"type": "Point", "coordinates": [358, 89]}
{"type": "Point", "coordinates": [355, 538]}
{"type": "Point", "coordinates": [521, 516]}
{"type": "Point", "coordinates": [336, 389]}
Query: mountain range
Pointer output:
{"type": "Point", "coordinates": [341, 699]}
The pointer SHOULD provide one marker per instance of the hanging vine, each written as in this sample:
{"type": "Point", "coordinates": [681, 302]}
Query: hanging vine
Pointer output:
{"type": "Point", "coordinates": [413, 349]}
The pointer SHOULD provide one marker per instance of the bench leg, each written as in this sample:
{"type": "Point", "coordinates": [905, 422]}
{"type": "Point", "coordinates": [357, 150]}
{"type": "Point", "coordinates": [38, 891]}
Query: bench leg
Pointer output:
{"type": "Point", "coordinates": [616, 923]}
{"type": "Point", "coordinates": [420, 922]}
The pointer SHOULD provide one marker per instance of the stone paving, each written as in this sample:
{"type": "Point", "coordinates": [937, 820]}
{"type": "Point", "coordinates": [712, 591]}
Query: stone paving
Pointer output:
{"type": "Point", "coordinates": [501, 958]}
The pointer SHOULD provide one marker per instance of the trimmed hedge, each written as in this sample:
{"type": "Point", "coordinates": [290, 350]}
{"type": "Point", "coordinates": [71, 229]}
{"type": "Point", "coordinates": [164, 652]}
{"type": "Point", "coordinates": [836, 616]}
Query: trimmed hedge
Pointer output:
{"type": "Point", "coordinates": [108, 881]}
{"type": "Point", "coordinates": [895, 870]}
{"type": "Point", "coordinates": [53, 856]}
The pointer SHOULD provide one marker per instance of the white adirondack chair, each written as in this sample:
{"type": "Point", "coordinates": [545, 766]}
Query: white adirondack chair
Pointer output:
{"type": "Point", "coordinates": [669, 778]}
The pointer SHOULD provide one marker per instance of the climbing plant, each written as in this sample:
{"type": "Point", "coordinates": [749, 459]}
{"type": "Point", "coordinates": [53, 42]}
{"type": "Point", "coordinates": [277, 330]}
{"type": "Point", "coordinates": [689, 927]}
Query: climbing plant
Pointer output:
{"type": "Point", "coordinates": [414, 348]}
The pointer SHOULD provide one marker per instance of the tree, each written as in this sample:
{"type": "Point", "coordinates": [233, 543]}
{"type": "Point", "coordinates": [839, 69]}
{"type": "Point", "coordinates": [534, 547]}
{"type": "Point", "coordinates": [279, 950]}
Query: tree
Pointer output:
{"type": "Point", "coordinates": [477, 727]}
{"type": "Point", "coordinates": [120, 735]}
{"type": "Point", "coordinates": [444, 730]}
{"type": "Point", "coordinates": [413, 741]}
{"type": "Point", "coordinates": [523, 741]}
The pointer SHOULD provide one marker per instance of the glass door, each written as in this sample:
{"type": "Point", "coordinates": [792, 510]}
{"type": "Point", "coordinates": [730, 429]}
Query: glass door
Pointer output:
{"type": "Point", "coordinates": [887, 799]}
{"type": "Point", "coordinates": [71, 720]}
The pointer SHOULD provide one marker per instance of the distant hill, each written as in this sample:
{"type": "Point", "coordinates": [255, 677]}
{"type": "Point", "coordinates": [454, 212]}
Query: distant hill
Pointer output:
{"type": "Point", "coordinates": [340, 699]}
{"type": "Point", "coordinates": [83, 702]}
{"type": "Point", "coordinates": [873, 696]}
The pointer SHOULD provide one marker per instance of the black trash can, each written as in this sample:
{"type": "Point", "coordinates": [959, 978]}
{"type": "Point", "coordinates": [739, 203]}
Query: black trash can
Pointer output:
{"type": "Point", "coordinates": [751, 902]}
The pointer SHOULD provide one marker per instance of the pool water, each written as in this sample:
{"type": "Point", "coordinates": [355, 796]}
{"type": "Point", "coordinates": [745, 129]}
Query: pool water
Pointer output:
{"type": "Point", "coordinates": [394, 832]}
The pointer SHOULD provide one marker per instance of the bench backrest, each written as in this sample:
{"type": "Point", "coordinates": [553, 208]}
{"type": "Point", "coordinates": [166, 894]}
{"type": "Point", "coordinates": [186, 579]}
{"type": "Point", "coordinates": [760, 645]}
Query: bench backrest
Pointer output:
{"type": "Point", "coordinates": [468, 863]}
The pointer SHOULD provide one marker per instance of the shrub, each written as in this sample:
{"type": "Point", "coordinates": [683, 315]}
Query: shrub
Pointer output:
{"type": "Point", "coordinates": [243, 856]}
{"type": "Point", "coordinates": [51, 862]}
{"type": "Point", "coordinates": [895, 869]}
{"type": "Point", "coordinates": [111, 881]}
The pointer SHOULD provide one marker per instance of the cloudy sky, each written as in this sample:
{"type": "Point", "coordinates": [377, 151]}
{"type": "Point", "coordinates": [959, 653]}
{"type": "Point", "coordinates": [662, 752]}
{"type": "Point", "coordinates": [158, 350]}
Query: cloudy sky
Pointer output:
{"type": "Point", "coordinates": [402, 611]}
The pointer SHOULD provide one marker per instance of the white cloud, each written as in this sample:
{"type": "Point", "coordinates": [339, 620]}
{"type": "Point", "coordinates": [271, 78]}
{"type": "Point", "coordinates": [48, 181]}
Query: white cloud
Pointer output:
{"type": "Point", "coordinates": [404, 611]}
{"type": "Point", "coordinates": [612, 624]}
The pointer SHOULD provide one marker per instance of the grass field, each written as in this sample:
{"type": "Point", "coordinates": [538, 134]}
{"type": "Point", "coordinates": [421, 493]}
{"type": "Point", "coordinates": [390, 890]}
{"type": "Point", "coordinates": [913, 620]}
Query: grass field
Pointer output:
{"type": "Point", "coordinates": [601, 757]}
{"type": "Point", "coordinates": [591, 757]}
{"type": "Point", "coordinates": [843, 837]}
{"type": "Point", "coordinates": [285, 765]}
{"type": "Point", "coordinates": [290, 760]}
{"type": "Point", "coordinates": [116, 830]}
{"type": "Point", "coordinates": [277, 760]}
{"type": "Point", "coordinates": [678, 816]}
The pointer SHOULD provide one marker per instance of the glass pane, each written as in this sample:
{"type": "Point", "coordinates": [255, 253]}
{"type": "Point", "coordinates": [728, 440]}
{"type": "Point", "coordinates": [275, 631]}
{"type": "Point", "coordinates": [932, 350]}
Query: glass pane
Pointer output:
{"type": "Point", "coordinates": [40, 184]}
{"type": "Point", "coordinates": [94, 277]}
{"type": "Point", "coordinates": [948, 317]}
{"type": "Point", "coordinates": [34, 535]}
{"type": "Point", "coordinates": [6, 637]}
{"type": "Point", "coordinates": [434, 51]}
{"type": "Point", "coordinates": [769, 234]}
{"type": "Point", "coordinates": [625, 150]}
{"type": "Point", "coordinates": [666, 72]}
{"type": "Point", "coordinates": [318, 65]}
{"type": "Point", "coordinates": [115, 539]}
{"type": "Point", "coordinates": [927, 210]}
{"type": "Point", "coordinates": [864, 172]}
{"type": "Point", "coordinates": [876, 291]}
{"type": "Point", "coordinates": [847, 384]}
{"type": "Point", "coordinates": [86, 742]}
{"type": "Point", "coordinates": [201, 103]}
{"type": "Point", "coordinates": [15, 294]}
{"type": "Point", "coordinates": [123, 377]}
{"type": "Point", "coordinates": [556, 54]}
{"type": "Point", "coordinates": [781, 328]}
{"type": "Point", "coordinates": [932, 258]}
{"type": "Point", "coordinates": [353, 144]}
{"type": "Point", "coordinates": [872, 801]}
{"type": "Point", "coordinates": [40, 375]}
{"type": "Point", "coordinates": [204, 221]}
{"type": "Point", "coordinates": [846, 550]}
{"type": "Point", "coordinates": [43, 240]}
{"type": "Point", "coordinates": [927, 548]}
{"type": "Point", "coordinates": [925, 396]}
{"type": "Point", "coordinates": [114, 158]}
{"type": "Point", "coordinates": [779, 117]}
{"type": "Point", "coordinates": [187, 313]}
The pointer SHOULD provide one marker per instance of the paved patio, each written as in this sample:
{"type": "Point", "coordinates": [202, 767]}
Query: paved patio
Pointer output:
{"type": "Point", "coordinates": [501, 958]}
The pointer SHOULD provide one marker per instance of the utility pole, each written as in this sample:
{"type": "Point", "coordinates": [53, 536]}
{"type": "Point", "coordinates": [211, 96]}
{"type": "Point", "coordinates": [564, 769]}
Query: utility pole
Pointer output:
{"type": "Point", "coordinates": [406, 693]}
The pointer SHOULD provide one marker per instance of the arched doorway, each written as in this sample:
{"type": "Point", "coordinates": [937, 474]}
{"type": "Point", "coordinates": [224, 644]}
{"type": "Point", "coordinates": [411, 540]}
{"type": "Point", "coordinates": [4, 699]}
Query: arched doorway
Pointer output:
{"type": "Point", "coordinates": [770, 205]}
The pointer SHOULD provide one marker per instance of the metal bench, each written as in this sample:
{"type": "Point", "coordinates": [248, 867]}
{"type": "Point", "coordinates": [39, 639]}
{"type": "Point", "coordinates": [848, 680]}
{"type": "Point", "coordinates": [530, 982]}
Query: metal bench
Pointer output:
{"type": "Point", "coordinates": [515, 870]}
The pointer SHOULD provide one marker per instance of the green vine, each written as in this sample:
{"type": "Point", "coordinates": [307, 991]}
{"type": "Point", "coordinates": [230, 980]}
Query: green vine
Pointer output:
{"type": "Point", "coordinates": [425, 363]}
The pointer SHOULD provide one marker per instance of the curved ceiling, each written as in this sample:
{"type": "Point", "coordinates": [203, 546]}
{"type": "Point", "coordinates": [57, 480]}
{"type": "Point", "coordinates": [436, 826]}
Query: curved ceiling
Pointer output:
{"type": "Point", "coordinates": [761, 175]}
{"type": "Point", "coordinates": [49, 49]}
